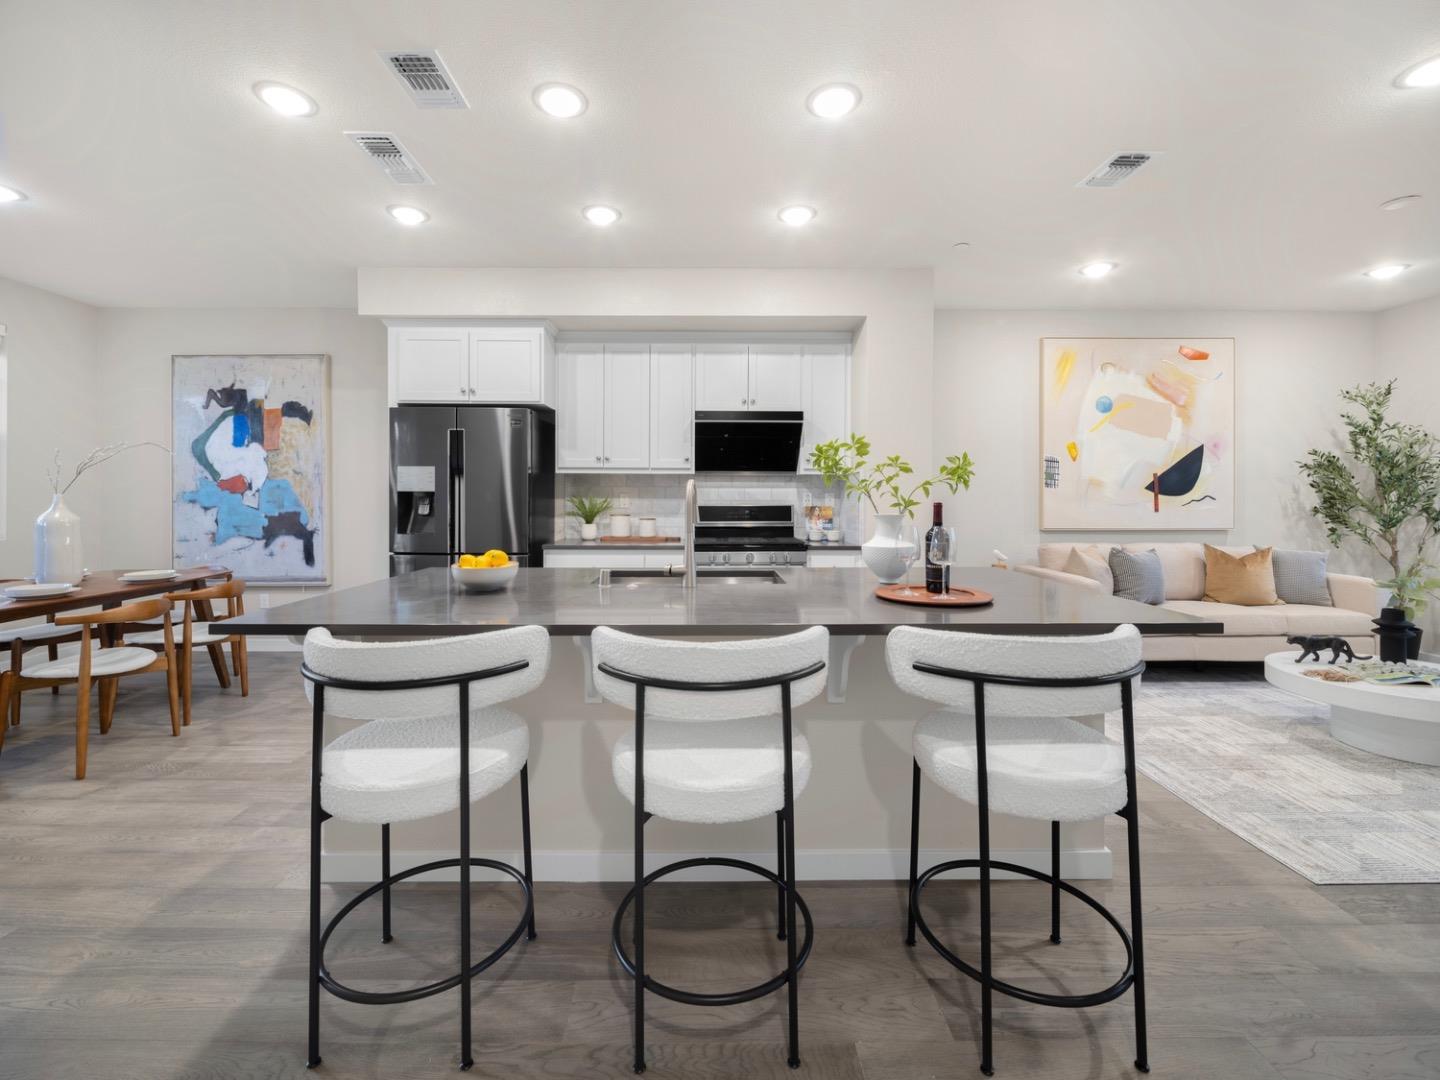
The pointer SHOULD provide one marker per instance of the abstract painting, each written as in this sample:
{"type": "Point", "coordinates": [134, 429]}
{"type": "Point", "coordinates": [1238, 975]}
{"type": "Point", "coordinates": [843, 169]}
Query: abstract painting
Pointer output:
{"type": "Point", "coordinates": [1137, 433]}
{"type": "Point", "coordinates": [250, 479]}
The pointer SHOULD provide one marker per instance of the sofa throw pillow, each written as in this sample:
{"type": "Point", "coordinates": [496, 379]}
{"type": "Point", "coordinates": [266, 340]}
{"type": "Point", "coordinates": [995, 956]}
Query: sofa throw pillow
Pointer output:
{"type": "Point", "coordinates": [1300, 577]}
{"type": "Point", "coordinates": [1138, 575]}
{"type": "Point", "coordinates": [1089, 562]}
{"type": "Point", "coordinates": [1246, 580]}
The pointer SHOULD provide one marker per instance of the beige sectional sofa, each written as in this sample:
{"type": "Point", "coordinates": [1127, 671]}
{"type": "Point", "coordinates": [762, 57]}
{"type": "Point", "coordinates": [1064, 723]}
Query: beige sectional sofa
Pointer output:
{"type": "Point", "coordinates": [1250, 632]}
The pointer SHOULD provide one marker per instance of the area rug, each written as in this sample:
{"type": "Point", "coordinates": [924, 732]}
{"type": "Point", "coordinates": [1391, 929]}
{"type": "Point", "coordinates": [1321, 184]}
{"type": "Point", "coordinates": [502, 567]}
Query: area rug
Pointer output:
{"type": "Point", "coordinates": [1261, 763]}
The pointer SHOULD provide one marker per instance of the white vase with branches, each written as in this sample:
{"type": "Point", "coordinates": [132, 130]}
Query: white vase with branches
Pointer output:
{"type": "Point", "coordinates": [59, 558]}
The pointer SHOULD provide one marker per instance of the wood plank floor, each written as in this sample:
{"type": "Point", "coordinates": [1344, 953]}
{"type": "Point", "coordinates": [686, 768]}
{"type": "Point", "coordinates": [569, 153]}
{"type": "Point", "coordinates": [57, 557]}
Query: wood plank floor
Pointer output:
{"type": "Point", "coordinates": [152, 926]}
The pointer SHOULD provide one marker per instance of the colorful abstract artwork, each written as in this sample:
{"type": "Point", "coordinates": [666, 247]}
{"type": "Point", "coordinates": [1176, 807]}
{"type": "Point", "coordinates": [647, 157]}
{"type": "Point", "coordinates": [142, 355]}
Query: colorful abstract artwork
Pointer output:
{"type": "Point", "coordinates": [1141, 432]}
{"type": "Point", "coordinates": [251, 466]}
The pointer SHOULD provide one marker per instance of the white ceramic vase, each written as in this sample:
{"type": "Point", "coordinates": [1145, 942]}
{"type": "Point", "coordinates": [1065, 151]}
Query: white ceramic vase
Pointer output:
{"type": "Point", "coordinates": [58, 557]}
{"type": "Point", "coordinates": [589, 530]}
{"type": "Point", "coordinates": [882, 552]}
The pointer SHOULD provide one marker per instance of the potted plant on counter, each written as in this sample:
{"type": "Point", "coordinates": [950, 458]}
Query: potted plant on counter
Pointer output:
{"type": "Point", "coordinates": [1387, 495]}
{"type": "Point", "coordinates": [587, 510]}
{"type": "Point", "coordinates": [888, 482]}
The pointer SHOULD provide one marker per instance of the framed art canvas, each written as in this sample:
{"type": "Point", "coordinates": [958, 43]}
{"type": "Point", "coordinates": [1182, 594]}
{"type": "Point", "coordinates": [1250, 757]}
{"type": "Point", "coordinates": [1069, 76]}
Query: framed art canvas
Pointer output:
{"type": "Point", "coordinates": [1137, 433]}
{"type": "Point", "coordinates": [250, 487]}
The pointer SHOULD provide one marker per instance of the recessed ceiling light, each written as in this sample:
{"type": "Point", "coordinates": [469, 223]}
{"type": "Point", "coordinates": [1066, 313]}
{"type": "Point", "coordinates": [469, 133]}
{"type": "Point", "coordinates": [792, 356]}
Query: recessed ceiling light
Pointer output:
{"type": "Point", "coordinates": [1400, 203]}
{"type": "Point", "coordinates": [559, 100]}
{"type": "Point", "coordinates": [1096, 270]}
{"type": "Point", "coordinates": [1388, 271]}
{"type": "Point", "coordinates": [408, 215]}
{"type": "Point", "coordinates": [286, 100]}
{"type": "Point", "coordinates": [10, 194]}
{"type": "Point", "coordinates": [833, 101]}
{"type": "Point", "coordinates": [1422, 76]}
{"type": "Point", "coordinates": [797, 215]}
{"type": "Point", "coordinates": [601, 215]}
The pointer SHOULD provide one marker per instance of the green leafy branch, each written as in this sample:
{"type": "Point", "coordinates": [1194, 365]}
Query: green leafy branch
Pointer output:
{"type": "Point", "coordinates": [587, 509]}
{"type": "Point", "coordinates": [890, 479]}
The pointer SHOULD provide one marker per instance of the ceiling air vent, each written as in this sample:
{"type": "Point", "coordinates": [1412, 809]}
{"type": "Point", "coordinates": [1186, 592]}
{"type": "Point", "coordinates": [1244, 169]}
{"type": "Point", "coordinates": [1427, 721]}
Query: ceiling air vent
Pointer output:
{"type": "Point", "coordinates": [426, 78]}
{"type": "Point", "coordinates": [1118, 168]}
{"type": "Point", "coordinates": [385, 150]}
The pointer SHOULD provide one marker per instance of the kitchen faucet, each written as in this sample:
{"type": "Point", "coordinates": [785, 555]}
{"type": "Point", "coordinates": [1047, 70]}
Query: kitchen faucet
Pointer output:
{"type": "Point", "coordinates": [691, 514]}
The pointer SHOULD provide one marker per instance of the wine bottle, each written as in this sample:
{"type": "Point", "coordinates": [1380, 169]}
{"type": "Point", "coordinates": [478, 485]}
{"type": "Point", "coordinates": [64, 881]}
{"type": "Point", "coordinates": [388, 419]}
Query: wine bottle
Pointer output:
{"type": "Point", "coordinates": [937, 577]}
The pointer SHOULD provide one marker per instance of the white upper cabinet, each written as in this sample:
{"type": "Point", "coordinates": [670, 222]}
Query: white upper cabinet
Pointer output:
{"type": "Point", "coordinates": [776, 378]}
{"type": "Point", "coordinates": [579, 413]}
{"type": "Point", "coordinates": [722, 378]}
{"type": "Point", "coordinates": [826, 398]}
{"type": "Point", "coordinates": [627, 407]}
{"type": "Point", "coordinates": [506, 364]}
{"type": "Point", "coordinates": [480, 365]}
{"type": "Point", "coordinates": [429, 364]}
{"type": "Point", "coordinates": [672, 408]}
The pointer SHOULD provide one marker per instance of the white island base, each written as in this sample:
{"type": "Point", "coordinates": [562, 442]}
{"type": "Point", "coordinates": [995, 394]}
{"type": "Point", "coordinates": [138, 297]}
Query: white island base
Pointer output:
{"type": "Point", "coordinates": [852, 821]}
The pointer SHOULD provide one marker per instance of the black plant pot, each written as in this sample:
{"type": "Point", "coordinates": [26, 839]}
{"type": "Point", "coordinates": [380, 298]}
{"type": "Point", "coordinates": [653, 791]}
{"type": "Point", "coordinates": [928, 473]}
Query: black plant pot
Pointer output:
{"type": "Point", "coordinates": [1394, 632]}
{"type": "Point", "coordinates": [1412, 647]}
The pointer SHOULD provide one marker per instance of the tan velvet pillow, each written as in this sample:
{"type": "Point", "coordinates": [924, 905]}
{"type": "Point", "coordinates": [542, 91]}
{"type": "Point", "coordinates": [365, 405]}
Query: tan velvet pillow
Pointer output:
{"type": "Point", "coordinates": [1248, 580]}
{"type": "Point", "coordinates": [1090, 562]}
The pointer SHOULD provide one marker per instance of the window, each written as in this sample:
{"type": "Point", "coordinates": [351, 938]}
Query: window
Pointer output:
{"type": "Point", "coordinates": [4, 429]}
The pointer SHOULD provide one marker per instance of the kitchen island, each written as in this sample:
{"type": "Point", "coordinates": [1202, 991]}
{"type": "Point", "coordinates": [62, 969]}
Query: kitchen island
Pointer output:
{"type": "Point", "coordinates": [852, 820]}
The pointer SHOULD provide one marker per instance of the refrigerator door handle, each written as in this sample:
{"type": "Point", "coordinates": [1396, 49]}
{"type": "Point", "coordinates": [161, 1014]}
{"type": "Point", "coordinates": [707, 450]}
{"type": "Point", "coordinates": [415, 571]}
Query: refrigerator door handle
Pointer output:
{"type": "Point", "coordinates": [457, 490]}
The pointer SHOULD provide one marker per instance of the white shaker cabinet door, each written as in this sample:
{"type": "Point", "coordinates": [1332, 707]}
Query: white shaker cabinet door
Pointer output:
{"type": "Point", "coordinates": [431, 364]}
{"type": "Point", "coordinates": [580, 408]}
{"type": "Point", "coordinates": [672, 408]}
{"type": "Point", "coordinates": [722, 378]}
{"type": "Point", "coordinates": [505, 364]}
{"type": "Point", "coordinates": [827, 398]}
{"type": "Point", "coordinates": [776, 378]}
{"type": "Point", "coordinates": [627, 408]}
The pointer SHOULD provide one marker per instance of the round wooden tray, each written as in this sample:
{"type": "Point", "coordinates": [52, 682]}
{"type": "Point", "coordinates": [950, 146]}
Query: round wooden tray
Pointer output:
{"type": "Point", "coordinates": [956, 597]}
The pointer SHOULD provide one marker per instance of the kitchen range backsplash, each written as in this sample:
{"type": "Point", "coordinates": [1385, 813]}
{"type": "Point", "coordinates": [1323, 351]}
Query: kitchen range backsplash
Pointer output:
{"type": "Point", "coordinates": [663, 498]}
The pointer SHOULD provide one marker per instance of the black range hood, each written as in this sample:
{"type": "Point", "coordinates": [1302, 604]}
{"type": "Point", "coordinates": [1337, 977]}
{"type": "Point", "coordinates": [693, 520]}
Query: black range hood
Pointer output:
{"type": "Point", "coordinates": [748, 441]}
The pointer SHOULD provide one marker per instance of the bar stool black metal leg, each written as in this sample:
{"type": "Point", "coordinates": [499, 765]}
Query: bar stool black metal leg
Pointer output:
{"type": "Point", "coordinates": [1132, 825]}
{"type": "Point", "coordinates": [793, 974]}
{"type": "Point", "coordinates": [987, 1061]}
{"type": "Point", "coordinates": [914, 850]}
{"type": "Point", "coordinates": [639, 879]}
{"type": "Point", "coordinates": [385, 935]}
{"type": "Point", "coordinates": [466, 1057]}
{"type": "Point", "coordinates": [317, 740]}
{"type": "Point", "coordinates": [525, 841]}
{"type": "Point", "coordinates": [780, 872]}
{"type": "Point", "coordinates": [1055, 882]}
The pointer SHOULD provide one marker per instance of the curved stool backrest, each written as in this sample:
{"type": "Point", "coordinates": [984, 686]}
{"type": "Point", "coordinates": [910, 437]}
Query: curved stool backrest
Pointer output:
{"type": "Point", "coordinates": [1029, 659]}
{"type": "Point", "coordinates": [709, 662]}
{"type": "Point", "coordinates": [432, 658]}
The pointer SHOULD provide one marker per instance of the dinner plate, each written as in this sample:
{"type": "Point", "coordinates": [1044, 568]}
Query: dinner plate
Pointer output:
{"type": "Point", "coordinates": [40, 591]}
{"type": "Point", "coordinates": [149, 575]}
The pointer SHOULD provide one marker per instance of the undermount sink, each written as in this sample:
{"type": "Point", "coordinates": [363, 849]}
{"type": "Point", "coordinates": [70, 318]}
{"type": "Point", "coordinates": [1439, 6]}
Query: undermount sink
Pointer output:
{"type": "Point", "coordinates": [703, 577]}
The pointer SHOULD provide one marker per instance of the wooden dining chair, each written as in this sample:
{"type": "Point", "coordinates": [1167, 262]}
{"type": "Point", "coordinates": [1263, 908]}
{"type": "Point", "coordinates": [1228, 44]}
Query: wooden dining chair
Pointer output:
{"type": "Point", "coordinates": [106, 665]}
{"type": "Point", "coordinates": [202, 630]}
{"type": "Point", "coordinates": [21, 639]}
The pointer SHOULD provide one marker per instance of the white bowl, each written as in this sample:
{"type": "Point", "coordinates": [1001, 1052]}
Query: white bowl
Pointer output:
{"type": "Point", "coordinates": [485, 578]}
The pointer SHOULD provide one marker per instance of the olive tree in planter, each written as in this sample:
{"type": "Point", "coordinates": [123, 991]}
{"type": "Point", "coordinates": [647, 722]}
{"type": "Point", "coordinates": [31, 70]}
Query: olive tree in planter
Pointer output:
{"type": "Point", "coordinates": [1385, 491]}
{"type": "Point", "coordinates": [890, 482]}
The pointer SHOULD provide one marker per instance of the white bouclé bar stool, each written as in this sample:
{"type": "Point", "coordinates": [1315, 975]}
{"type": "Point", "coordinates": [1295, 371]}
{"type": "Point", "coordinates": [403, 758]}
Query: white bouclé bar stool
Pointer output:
{"type": "Point", "coordinates": [1007, 741]}
{"type": "Point", "coordinates": [436, 739]}
{"type": "Point", "coordinates": [713, 742]}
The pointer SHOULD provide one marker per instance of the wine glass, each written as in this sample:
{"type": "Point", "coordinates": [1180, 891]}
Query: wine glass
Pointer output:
{"type": "Point", "coordinates": [907, 550]}
{"type": "Point", "coordinates": [943, 549]}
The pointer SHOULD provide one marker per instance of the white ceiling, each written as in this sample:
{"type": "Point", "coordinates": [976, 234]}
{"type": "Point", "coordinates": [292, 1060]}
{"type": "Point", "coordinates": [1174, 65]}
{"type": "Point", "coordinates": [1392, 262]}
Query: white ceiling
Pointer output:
{"type": "Point", "coordinates": [156, 178]}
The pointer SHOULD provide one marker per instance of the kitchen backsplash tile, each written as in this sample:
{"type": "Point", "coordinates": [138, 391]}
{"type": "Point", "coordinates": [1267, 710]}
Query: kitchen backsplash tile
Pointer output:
{"type": "Point", "coordinates": [662, 496]}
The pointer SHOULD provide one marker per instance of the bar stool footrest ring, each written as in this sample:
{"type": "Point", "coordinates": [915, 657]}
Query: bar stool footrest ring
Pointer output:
{"type": "Point", "coordinates": [366, 997]}
{"type": "Point", "coordinates": [1037, 997]}
{"type": "Point", "coordinates": [688, 997]}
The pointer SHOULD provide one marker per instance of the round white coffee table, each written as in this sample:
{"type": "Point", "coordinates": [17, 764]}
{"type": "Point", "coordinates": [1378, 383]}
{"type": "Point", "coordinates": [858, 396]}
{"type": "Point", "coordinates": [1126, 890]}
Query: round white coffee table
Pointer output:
{"type": "Point", "coordinates": [1396, 721]}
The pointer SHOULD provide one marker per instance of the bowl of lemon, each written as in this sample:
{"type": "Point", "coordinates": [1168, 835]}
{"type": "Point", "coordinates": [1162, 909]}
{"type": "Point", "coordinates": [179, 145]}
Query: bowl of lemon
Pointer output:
{"type": "Point", "coordinates": [490, 572]}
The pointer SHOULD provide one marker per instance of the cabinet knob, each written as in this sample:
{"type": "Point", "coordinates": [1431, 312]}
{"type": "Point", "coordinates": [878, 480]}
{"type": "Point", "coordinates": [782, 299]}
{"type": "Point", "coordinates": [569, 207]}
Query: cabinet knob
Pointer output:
{"type": "Point", "coordinates": [685, 459]}
{"type": "Point", "coordinates": [599, 458]}
{"type": "Point", "coordinates": [752, 401]}
{"type": "Point", "coordinates": [742, 401]}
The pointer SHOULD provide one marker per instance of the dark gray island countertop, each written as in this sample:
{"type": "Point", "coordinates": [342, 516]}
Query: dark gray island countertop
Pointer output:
{"type": "Point", "coordinates": [570, 602]}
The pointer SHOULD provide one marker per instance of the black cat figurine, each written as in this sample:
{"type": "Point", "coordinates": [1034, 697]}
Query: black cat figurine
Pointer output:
{"type": "Point", "coordinates": [1311, 644]}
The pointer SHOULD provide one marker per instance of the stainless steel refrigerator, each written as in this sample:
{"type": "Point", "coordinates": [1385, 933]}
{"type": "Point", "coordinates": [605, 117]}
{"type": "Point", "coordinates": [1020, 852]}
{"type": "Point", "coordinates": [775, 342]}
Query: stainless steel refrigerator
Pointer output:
{"type": "Point", "coordinates": [467, 479]}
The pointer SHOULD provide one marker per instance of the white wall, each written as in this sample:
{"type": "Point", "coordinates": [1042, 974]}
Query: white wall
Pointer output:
{"type": "Point", "coordinates": [51, 343]}
{"type": "Point", "coordinates": [135, 348]}
{"type": "Point", "coordinates": [1407, 348]}
{"type": "Point", "coordinates": [1289, 368]}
